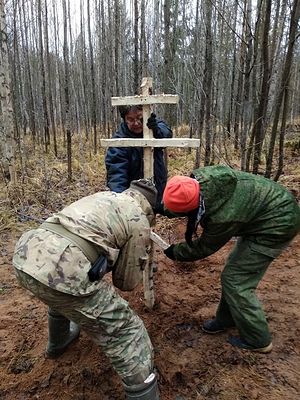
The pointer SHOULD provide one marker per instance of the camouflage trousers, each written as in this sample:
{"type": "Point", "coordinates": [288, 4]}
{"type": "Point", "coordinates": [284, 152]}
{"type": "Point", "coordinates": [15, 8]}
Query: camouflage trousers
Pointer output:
{"type": "Point", "coordinates": [239, 305]}
{"type": "Point", "coordinates": [107, 318]}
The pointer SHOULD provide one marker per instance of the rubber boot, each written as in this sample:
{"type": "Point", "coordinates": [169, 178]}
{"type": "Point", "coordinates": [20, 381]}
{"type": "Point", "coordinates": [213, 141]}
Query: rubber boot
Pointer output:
{"type": "Point", "coordinates": [148, 390]}
{"type": "Point", "coordinates": [61, 333]}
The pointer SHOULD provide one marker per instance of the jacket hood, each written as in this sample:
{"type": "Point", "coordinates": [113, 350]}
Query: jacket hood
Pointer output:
{"type": "Point", "coordinates": [142, 202]}
{"type": "Point", "coordinates": [217, 185]}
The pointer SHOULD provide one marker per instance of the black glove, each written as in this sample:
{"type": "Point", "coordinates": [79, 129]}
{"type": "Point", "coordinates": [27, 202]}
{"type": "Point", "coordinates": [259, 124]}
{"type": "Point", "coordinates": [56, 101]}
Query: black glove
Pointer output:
{"type": "Point", "coordinates": [98, 269]}
{"type": "Point", "coordinates": [169, 252]}
{"type": "Point", "coordinates": [152, 123]}
{"type": "Point", "coordinates": [159, 209]}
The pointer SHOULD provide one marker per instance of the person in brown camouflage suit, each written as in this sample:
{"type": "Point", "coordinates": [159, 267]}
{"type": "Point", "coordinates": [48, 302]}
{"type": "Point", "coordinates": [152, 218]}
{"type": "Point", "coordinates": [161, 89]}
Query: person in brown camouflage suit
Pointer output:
{"type": "Point", "coordinates": [57, 271]}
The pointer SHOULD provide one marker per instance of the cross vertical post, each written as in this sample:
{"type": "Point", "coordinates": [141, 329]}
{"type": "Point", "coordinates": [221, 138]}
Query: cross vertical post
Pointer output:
{"type": "Point", "coordinates": [146, 89]}
{"type": "Point", "coordinates": [146, 99]}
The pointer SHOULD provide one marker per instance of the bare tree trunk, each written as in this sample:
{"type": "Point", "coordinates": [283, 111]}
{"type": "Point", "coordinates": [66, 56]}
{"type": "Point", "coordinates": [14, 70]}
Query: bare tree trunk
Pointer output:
{"type": "Point", "coordinates": [17, 94]}
{"type": "Point", "coordinates": [51, 82]}
{"type": "Point", "coordinates": [208, 76]}
{"type": "Point", "coordinates": [83, 90]}
{"type": "Point", "coordinates": [93, 81]}
{"type": "Point", "coordinates": [143, 51]}
{"type": "Point", "coordinates": [167, 45]}
{"type": "Point", "coordinates": [6, 113]}
{"type": "Point", "coordinates": [246, 107]}
{"type": "Point", "coordinates": [59, 73]}
{"type": "Point", "coordinates": [103, 84]}
{"type": "Point", "coordinates": [170, 17]}
{"type": "Point", "coordinates": [244, 70]}
{"type": "Point", "coordinates": [199, 95]}
{"type": "Point", "coordinates": [283, 96]}
{"type": "Point", "coordinates": [259, 124]}
{"type": "Point", "coordinates": [136, 76]}
{"type": "Point", "coordinates": [66, 90]}
{"type": "Point", "coordinates": [238, 120]}
{"type": "Point", "coordinates": [42, 65]}
{"type": "Point", "coordinates": [231, 114]}
{"type": "Point", "coordinates": [25, 43]}
{"type": "Point", "coordinates": [255, 81]}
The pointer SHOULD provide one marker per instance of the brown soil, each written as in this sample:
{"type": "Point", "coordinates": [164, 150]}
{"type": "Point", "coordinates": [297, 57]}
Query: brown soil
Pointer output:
{"type": "Point", "coordinates": [191, 364]}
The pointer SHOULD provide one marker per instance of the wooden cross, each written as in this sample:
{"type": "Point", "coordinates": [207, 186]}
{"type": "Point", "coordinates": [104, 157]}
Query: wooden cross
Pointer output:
{"type": "Point", "coordinates": [146, 99]}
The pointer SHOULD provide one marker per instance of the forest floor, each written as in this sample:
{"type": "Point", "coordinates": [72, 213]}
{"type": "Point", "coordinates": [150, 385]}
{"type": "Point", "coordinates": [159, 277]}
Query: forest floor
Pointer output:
{"type": "Point", "coordinates": [190, 364]}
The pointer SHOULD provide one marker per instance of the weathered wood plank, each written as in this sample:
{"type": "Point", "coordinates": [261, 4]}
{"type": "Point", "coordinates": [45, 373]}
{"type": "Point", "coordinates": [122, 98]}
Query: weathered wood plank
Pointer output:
{"type": "Point", "coordinates": [145, 100]}
{"type": "Point", "coordinates": [140, 142]}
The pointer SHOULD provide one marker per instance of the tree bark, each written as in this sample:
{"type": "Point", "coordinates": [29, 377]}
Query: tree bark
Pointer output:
{"type": "Point", "coordinates": [6, 112]}
{"type": "Point", "coordinates": [93, 80]}
{"type": "Point", "coordinates": [283, 96]}
{"type": "Point", "coordinates": [43, 85]}
{"type": "Point", "coordinates": [261, 114]}
{"type": "Point", "coordinates": [66, 91]}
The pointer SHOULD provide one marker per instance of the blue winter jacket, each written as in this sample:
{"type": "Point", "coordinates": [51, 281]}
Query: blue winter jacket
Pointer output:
{"type": "Point", "coordinates": [124, 164]}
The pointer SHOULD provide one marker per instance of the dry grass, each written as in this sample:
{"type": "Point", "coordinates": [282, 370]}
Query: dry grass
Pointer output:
{"type": "Point", "coordinates": [43, 186]}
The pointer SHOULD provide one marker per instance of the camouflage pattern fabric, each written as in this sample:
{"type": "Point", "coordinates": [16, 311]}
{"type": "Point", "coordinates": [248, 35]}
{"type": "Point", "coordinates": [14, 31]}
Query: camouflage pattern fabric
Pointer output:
{"type": "Point", "coordinates": [265, 217]}
{"type": "Point", "coordinates": [241, 204]}
{"type": "Point", "coordinates": [239, 305]}
{"type": "Point", "coordinates": [118, 224]}
{"type": "Point", "coordinates": [56, 271]}
{"type": "Point", "coordinates": [108, 320]}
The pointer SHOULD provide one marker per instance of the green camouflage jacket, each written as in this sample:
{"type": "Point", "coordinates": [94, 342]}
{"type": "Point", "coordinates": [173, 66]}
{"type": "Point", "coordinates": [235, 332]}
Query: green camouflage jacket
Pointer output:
{"type": "Point", "coordinates": [241, 204]}
{"type": "Point", "coordinates": [118, 223]}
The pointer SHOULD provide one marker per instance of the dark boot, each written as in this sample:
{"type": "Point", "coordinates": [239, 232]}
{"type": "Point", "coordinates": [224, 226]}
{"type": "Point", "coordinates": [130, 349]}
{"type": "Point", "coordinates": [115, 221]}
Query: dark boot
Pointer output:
{"type": "Point", "coordinates": [61, 333]}
{"type": "Point", "coordinates": [236, 341]}
{"type": "Point", "coordinates": [148, 390]}
{"type": "Point", "coordinates": [212, 326]}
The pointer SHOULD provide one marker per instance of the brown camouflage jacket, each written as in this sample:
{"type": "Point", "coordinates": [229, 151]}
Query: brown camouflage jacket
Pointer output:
{"type": "Point", "coordinates": [117, 223]}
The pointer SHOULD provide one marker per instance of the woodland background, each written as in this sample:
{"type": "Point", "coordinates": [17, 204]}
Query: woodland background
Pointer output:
{"type": "Point", "coordinates": [234, 63]}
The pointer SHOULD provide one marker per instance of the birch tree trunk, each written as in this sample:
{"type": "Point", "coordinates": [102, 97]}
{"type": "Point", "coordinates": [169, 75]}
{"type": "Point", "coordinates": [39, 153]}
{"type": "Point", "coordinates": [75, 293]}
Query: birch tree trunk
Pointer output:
{"type": "Point", "coordinates": [25, 44]}
{"type": "Point", "coordinates": [6, 111]}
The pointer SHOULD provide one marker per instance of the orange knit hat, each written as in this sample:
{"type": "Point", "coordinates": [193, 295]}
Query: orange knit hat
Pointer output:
{"type": "Point", "coordinates": [181, 194]}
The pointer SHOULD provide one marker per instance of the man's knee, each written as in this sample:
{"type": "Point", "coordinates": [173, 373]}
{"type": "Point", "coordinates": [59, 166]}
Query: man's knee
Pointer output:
{"type": "Point", "coordinates": [229, 281]}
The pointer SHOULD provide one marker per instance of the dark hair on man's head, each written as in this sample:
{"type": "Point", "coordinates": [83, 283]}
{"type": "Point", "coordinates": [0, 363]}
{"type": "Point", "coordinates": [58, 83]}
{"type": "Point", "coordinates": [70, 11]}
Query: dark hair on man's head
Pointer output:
{"type": "Point", "coordinates": [124, 110]}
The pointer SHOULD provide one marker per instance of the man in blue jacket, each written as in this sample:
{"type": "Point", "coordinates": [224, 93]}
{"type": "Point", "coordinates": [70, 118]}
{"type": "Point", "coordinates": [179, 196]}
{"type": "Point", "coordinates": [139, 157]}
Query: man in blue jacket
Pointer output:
{"type": "Point", "coordinates": [125, 164]}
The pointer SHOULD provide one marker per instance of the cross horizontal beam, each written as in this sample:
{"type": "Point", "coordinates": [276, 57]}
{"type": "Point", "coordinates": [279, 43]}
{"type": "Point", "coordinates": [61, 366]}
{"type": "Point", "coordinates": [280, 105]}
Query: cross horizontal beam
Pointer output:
{"type": "Point", "coordinates": [142, 100]}
{"type": "Point", "coordinates": [140, 142]}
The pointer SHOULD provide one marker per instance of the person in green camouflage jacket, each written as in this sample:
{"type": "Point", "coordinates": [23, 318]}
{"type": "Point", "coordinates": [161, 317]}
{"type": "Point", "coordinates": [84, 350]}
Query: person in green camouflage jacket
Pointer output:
{"type": "Point", "coordinates": [229, 203]}
{"type": "Point", "coordinates": [56, 270]}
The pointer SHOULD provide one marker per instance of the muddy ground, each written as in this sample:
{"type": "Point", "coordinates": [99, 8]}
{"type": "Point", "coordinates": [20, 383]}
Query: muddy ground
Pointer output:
{"type": "Point", "coordinates": [191, 364]}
